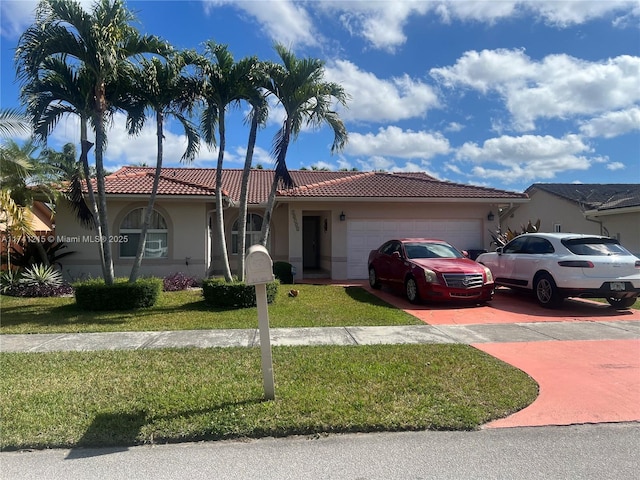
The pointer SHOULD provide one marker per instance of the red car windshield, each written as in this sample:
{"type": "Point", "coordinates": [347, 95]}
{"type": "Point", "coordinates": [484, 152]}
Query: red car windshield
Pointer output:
{"type": "Point", "coordinates": [431, 250]}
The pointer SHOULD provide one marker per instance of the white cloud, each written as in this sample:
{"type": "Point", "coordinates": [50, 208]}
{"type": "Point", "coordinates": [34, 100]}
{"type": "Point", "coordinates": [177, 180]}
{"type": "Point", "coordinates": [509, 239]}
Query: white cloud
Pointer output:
{"type": "Point", "coordinates": [563, 14]}
{"type": "Point", "coordinates": [395, 142]}
{"type": "Point", "coordinates": [558, 86]}
{"type": "Point", "coordinates": [616, 166]}
{"type": "Point", "coordinates": [380, 100]}
{"type": "Point", "coordinates": [123, 149]}
{"type": "Point", "coordinates": [526, 158]}
{"type": "Point", "coordinates": [17, 15]}
{"type": "Point", "coordinates": [613, 124]}
{"type": "Point", "coordinates": [381, 24]}
{"type": "Point", "coordinates": [283, 20]}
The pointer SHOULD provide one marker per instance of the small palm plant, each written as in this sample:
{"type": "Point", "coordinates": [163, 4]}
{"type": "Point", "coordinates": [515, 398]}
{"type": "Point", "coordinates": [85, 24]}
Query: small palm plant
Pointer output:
{"type": "Point", "coordinates": [41, 275]}
{"type": "Point", "coordinates": [501, 238]}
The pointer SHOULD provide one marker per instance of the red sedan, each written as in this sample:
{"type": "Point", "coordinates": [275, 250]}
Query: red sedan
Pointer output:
{"type": "Point", "coordinates": [429, 270]}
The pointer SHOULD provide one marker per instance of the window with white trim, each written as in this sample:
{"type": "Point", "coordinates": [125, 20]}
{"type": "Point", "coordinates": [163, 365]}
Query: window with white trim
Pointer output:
{"type": "Point", "coordinates": [557, 227]}
{"type": "Point", "coordinates": [156, 245]}
{"type": "Point", "coordinates": [252, 234]}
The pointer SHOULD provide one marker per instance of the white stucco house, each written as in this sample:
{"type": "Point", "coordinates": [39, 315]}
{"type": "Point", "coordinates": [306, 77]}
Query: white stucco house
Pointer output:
{"type": "Point", "coordinates": [611, 209]}
{"type": "Point", "coordinates": [324, 226]}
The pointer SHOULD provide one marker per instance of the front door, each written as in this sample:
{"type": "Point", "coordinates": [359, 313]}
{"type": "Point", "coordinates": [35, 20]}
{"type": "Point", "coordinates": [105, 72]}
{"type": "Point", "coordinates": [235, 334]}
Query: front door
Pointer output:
{"type": "Point", "coordinates": [310, 242]}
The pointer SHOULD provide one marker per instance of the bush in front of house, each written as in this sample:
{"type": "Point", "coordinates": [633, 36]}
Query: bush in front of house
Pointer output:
{"type": "Point", "coordinates": [177, 282]}
{"type": "Point", "coordinates": [38, 280]}
{"type": "Point", "coordinates": [219, 293]}
{"type": "Point", "coordinates": [122, 295]}
{"type": "Point", "coordinates": [282, 271]}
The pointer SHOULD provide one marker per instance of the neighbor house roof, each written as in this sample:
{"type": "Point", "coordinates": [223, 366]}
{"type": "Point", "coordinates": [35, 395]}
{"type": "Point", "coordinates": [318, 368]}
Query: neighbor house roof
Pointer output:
{"type": "Point", "coordinates": [308, 184]}
{"type": "Point", "coordinates": [594, 196]}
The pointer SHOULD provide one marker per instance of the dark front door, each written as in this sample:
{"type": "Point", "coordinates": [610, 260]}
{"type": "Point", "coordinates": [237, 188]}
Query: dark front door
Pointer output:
{"type": "Point", "coordinates": [310, 242]}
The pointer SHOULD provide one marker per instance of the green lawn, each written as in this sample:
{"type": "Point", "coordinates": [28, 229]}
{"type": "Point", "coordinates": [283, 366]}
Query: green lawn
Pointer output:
{"type": "Point", "coordinates": [105, 398]}
{"type": "Point", "coordinates": [315, 306]}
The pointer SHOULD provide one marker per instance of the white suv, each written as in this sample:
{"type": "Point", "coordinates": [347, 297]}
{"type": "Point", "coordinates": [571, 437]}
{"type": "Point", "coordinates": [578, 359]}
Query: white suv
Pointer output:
{"type": "Point", "coordinates": [558, 265]}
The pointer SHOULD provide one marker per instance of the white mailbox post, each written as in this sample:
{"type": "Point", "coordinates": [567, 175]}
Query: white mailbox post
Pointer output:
{"type": "Point", "coordinates": [259, 272]}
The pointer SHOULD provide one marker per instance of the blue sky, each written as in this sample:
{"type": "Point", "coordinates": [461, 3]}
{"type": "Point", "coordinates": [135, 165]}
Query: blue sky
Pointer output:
{"type": "Point", "coordinates": [494, 93]}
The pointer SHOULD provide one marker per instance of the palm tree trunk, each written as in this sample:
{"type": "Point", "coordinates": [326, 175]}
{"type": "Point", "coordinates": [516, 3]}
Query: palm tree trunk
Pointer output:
{"type": "Point", "coordinates": [85, 146]}
{"type": "Point", "coordinates": [281, 166]}
{"type": "Point", "coordinates": [244, 196]}
{"type": "Point", "coordinates": [266, 221]}
{"type": "Point", "coordinates": [152, 198]}
{"type": "Point", "coordinates": [222, 241]}
{"type": "Point", "coordinates": [102, 199]}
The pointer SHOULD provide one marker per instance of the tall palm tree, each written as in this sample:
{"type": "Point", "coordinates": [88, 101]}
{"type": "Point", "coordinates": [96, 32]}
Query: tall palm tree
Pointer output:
{"type": "Point", "coordinates": [60, 90]}
{"type": "Point", "coordinates": [163, 88]}
{"type": "Point", "coordinates": [226, 83]}
{"type": "Point", "coordinates": [102, 44]}
{"type": "Point", "coordinates": [258, 117]}
{"type": "Point", "coordinates": [299, 86]}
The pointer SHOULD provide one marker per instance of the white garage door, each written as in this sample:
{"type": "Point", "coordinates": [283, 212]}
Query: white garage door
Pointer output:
{"type": "Point", "coordinates": [366, 235]}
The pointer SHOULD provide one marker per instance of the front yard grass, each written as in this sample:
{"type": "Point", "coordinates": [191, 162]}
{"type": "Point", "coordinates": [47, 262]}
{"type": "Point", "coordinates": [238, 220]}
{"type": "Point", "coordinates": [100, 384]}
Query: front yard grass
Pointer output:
{"type": "Point", "coordinates": [72, 399]}
{"type": "Point", "coordinates": [315, 306]}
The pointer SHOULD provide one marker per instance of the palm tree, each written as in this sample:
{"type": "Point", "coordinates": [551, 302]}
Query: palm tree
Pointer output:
{"type": "Point", "coordinates": [306, 98]}
{"type": "Point", "coordinates": [13, 122]}
{"type": "Point", "coordinates": [258, 117]}
{"type": "Point", "coordinates": [162, 87]}
{"type": "Point", "coordinates": [226, 83]}
{"type": "Point", "coordinates": [60, 90]}
{"type": "Point", "coordinates": [24, 179]}
{"type": "Point", "coordinates": [100, 46]}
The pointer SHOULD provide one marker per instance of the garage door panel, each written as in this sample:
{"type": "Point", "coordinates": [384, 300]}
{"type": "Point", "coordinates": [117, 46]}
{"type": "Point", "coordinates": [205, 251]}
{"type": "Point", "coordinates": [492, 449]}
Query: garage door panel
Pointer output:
{"type": "Point", "coordinates": [366, 235]}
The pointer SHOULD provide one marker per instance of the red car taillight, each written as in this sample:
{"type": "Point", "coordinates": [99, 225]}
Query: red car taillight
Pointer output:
{"type": "Point", "coordinates": [576, 263]}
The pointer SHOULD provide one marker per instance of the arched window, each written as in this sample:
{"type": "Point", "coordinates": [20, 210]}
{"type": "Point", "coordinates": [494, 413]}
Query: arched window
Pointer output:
{"type": "Point", "coordinates": [252, 234]}
{"type": "Point", "coordinates": [156, 245]}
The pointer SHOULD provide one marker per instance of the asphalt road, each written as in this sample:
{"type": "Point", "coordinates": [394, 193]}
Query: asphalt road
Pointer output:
{"type": "Point", "coordinates": [603, 451]}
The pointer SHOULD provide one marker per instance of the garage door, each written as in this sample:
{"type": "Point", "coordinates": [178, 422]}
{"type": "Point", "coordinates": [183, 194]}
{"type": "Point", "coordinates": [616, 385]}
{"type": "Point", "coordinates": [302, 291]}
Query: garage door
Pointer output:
{"type": "Point", "coordinates": [365, 235]}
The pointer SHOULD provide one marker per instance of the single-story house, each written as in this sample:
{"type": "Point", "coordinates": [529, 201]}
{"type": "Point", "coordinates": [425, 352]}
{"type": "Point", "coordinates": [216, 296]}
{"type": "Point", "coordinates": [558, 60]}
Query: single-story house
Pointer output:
{"type": "Point", "coordinates": [325, 226]}
{"type": "Point", "coordinates": [604, 209]}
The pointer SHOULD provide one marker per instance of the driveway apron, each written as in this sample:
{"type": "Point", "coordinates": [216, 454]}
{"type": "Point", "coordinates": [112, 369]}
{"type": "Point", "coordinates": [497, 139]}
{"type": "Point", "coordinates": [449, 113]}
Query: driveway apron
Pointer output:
{"type": "Point", "coordinates": [581, 381]}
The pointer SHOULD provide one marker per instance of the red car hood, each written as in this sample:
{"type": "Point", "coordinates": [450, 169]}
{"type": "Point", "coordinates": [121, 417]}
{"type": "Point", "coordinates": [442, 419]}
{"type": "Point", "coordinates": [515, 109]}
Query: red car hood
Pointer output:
{"type": "Point", "coordinates": [449, 265]}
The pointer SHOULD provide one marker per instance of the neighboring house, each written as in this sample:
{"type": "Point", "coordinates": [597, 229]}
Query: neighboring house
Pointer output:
{"type": "Point", "coordinates": [324, 226]}
{"type": "Point", "coordinates": [42, 224]}
{"type": "Point", "coordinates": [603, 209]}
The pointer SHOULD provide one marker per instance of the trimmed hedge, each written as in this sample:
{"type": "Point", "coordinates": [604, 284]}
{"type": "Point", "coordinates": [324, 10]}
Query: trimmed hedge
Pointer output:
{"type": "Point", "coordinates": [282, 271]}
{"type": "Point", "coordinates": [122, 295]}
{"type": "Point", "coordinates": [221, 294]}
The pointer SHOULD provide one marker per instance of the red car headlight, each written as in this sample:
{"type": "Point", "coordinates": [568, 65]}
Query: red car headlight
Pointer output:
{"type": "Point", "coordinates": [430, 276]}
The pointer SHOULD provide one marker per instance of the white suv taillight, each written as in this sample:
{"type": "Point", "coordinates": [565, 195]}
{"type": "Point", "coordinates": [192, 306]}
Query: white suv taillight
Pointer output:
{"type": "Point", "coordinates": [576, 263]}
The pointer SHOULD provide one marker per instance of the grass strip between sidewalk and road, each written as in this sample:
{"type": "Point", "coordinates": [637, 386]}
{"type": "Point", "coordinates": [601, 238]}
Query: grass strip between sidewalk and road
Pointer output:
{"type": "Point", "coordinates": [119, 398]}
{"type": "Point", "coordinates": [315, 306]}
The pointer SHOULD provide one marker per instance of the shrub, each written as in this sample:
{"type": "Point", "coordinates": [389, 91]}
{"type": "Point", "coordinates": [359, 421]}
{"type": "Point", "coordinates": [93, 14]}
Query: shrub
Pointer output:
{"type": "Point", "coordinates": [221, 294]}
{"type": "Point", "coordinates": [282, 271]}
{"type": "Point", "coordinates": [8, 279]}
{"type": "Point", "coordinates": [36, 281]}
{"type": "Point", "coordinates": [178, 281]}
{"type": "Point", "coordinates": [122, 295]}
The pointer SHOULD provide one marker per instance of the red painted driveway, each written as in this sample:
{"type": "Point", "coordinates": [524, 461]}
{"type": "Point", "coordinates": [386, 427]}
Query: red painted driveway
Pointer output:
{"type": "Point", "coordinates": [580, 382]}
{"type": "Point", "coordinates": [507, 306]}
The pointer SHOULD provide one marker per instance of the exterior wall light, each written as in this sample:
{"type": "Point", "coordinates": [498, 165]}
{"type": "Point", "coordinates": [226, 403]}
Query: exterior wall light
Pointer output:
{"type": "Point", "coordinates": [343, 217]}
{"type": "Point", "coordinates": [491, 216]}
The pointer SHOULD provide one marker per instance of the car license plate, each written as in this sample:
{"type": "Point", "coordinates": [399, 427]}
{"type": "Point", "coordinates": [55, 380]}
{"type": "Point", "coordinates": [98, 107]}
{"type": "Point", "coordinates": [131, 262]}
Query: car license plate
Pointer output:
{"type": "Point", "coordinates": [616, 286]}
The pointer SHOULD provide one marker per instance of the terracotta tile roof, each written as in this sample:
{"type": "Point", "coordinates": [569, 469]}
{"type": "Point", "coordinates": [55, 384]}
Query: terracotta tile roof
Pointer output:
{"type": "Point", "coordinates": [308, 184]}
{"type": "Point", "coordinates": [605, 196]}
{"type": "Point", "coordinates": [393, 185]}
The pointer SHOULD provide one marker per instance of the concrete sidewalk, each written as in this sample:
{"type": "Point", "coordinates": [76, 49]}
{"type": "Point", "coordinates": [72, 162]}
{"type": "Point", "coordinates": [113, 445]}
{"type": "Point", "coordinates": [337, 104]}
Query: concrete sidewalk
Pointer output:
{"type": "Point", "coordinates": [410, 334]}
